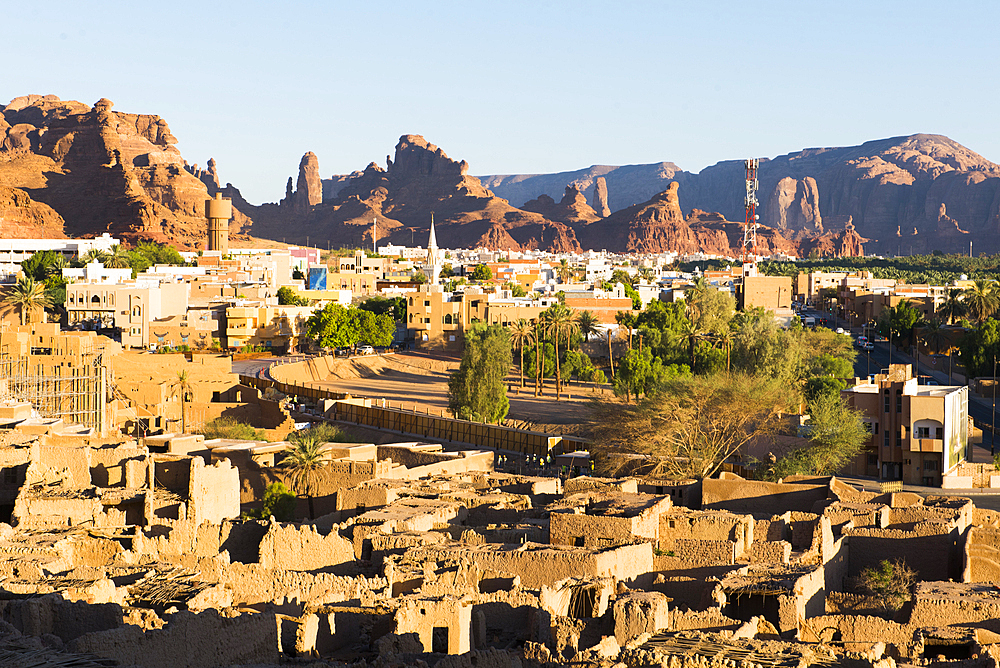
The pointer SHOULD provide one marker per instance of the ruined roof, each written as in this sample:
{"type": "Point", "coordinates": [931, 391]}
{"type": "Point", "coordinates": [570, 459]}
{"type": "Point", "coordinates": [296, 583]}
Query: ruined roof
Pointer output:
{"type": "Point", "coordinates": [607, 503]}
{"type": "Point", "coordinates": [765, 578]}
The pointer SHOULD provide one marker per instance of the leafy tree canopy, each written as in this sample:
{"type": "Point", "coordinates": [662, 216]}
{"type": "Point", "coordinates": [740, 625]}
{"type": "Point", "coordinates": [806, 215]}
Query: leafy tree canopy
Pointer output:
{"type": "Point", "coordinates": [393, 306]}
{"type": "Point", "coordinates": [336, 326]}
{"type": "Point", "coordinates": [482, 273]}
{"type": "Point", "coordinates": [477, 390]}
{"type": "Point", "coordinates": [288, 297]}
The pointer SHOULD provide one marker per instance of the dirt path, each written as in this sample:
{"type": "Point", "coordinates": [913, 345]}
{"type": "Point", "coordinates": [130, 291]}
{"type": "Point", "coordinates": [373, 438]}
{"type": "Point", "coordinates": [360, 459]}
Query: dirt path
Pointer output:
{"type": "Point", "coordinates": [421, 382]}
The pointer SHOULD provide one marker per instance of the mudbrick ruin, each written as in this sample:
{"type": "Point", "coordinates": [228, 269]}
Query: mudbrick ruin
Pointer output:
{"type": "Point", "coordinates": [134, 553]}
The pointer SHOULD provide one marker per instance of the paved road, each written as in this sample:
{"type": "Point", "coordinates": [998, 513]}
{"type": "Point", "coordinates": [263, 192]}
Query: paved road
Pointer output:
{"type": "Point", "coordinates": [877, 360]}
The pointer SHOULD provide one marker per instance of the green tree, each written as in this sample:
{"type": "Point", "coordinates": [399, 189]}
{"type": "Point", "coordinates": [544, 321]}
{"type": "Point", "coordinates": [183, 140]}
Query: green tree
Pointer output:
{"type": "Point", "coordinates": [118, 258]}
{"type": "Point", "coordinates": [639, 373]}
{"type": "Point", "coordinates": [982, 299]}
{"type": "Point", "coordinates": [979, 349]}
{"type": "Point", "coordinates": [935, 337]}
{"type": "Point", "coordinates": [419, 277]}
{"type": "Point", "coordinates": [522, 333]}
{"type": "Point", "coordinates": [689, 427]}
{"type": "Point", "coordinates": [336, 326]}
{"type": "Point", "coordinates": [889, 582]}
{"type": "Point", "coordinates": [953, 307]}
{"type": "Point", "coordinates": [478, 390]}
{"type": "Point", "coordinates": [26, 296]}
{"type": "Point", "coordinates": [482, 273]}
{"type": "Point", "coordinates": [900, 320]}
{"type": "Point", "coordinates": [837, 434]}
{"type": "Point", "coordinates": [279, 503]}
{"type": "Point", "coordinates": [447, 271]}
{"type": "Point", "coordinates": [559, 320]}
{"type": "Point", "coordinates": [588, 323]}
{"type": "Point", "coordinates": [393, 306]}
{"type": "Point", "coordinates": [304, 464]}
{"type": "Point", "coordinates": [288, 297]}
{"type": "Point", "coordinates": [182, 389]}
{"type": "Point", "coordinates": [564, 271]}
{"type": "Point", "coordinates": [37, 266]}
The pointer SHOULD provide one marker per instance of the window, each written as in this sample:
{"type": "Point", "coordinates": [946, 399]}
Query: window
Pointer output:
{"type": "Point", "coordinates": [930, 465]}
{"type": "Point", "coordinates": [899, 401]}
{"type": "Point", "coordinates": [886, 439]}
{"type": "Point", "coordinates": [923, 432]}
{"type": "Point", "coordinates": [886, 393]}
{"type": "Point", "coordinates": [939, 433]}
{"type": "Point", "coordinates": [427, 304]}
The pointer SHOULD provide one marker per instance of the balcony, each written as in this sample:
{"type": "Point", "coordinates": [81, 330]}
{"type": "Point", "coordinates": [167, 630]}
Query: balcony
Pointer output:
{"type": "Point", "coordinates": [926, 445]}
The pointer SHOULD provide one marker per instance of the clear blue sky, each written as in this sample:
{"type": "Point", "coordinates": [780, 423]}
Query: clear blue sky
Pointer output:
{"type": "Point", "coordinates": [516, 87]}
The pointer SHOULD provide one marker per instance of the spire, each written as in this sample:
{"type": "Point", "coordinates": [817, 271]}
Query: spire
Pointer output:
{"type": "Point", "coordinates": [432, 252]}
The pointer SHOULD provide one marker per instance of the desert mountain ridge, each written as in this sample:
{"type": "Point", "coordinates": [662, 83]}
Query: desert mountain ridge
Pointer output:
{"type": "Point", "coordinates": [69, 168]}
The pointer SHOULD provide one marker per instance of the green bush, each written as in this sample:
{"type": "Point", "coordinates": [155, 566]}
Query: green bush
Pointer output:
{"type": "Point", "coordinates": [322, 432]}
{"type": "Point", "coordinates": [227, 427]}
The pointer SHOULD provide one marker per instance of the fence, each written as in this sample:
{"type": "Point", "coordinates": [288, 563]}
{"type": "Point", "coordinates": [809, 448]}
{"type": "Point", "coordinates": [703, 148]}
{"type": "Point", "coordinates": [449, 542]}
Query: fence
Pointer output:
{"type": "Point", "coordinates": [431, 427]}
{"type": "Point", "coordinates": [891, 486]}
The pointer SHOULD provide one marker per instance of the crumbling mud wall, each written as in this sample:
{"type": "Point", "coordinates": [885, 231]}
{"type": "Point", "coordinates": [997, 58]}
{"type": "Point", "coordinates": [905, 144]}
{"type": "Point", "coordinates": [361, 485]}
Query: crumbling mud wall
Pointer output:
{"type": "Point", "coordinates": [203, 640]}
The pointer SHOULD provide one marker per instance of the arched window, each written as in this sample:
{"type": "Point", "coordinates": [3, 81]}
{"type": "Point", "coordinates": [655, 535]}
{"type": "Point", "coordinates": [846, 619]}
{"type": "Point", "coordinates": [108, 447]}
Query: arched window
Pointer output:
{"type": "Point", "coordinates": [447, 319]}
{"type": "Point", "coordinates": [96, 299]}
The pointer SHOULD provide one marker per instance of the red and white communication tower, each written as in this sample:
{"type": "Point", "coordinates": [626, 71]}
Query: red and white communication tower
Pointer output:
{"type": "Point", "coordinates": [749, 252]}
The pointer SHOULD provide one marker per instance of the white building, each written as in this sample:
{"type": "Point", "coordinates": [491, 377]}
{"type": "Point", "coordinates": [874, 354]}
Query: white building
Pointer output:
{"type": "Point", "coordinates": [15, 251]}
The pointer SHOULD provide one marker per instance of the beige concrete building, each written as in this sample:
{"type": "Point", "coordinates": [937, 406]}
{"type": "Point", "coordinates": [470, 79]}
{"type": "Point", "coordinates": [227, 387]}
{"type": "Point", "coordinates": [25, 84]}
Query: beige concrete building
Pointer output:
{"type": "Point", "coordinates": [128, 307]}
{"type": "Point", "coordinates": [277, 328]}
{"type": "Point", "coordinates": [919, 432]}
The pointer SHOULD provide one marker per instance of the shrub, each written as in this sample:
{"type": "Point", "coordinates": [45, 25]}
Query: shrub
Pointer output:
{"type": "Point", "coordinates": [890, 581]}
{"type": "Point", "coordinates": [322, 432]}
{"type": "Point", "coordinates": [227, 427]}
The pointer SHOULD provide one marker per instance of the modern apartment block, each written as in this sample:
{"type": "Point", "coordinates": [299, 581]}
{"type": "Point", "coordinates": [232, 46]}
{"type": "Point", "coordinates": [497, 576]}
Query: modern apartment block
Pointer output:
{"type": "Point", "coordinates": [919, 433]}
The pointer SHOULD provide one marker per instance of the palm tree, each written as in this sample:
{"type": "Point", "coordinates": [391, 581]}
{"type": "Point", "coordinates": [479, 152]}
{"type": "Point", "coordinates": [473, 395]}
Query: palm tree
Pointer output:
{"type": "Point", "coordinates": [26, 296]}
{"type": "Point", "coordinates": [94, 255]}
{"type": "Point", "coordinates": [691, 332]}
{"type": "Point", "coordinates": [647, 274]}
{"type": "Point", "coordinates": [627, 320]}
{"type": "Point", "coordinates": [934, 336]}
{"type": "Point", "coordinates": [565, 272]}
{"type": "Point", "coordinates": [561, 320]}
{"type": "Point", "coordinates": [726, 339]}
{"type": "Point", "coordinates": [521, 334]}
{"type": "Point", "coordinates": [953, 307]}
{"type": "Point", "coordinates": [182, 388]}
{"type": "Point", "coordinates": [982, 299]}
{"type": "Point", "coordinates": [118, 258]}
{"type": "Point", "coordinates": [55, 267]}
{"type": "Point", "coordinates": [539, 367]}
{"type": "Point", "coordinates": [587, 322]}
{"type": "Point", "coordinates": [304, 463]}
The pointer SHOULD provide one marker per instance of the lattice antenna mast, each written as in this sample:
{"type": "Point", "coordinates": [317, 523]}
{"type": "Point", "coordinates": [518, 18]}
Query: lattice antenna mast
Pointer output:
{"type": "Point", "coordinates": [749, 252]}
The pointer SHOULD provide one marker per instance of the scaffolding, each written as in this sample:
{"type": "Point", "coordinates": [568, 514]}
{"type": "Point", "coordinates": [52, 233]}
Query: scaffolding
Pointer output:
{"type": "Point", "coordinates": [74, 394]}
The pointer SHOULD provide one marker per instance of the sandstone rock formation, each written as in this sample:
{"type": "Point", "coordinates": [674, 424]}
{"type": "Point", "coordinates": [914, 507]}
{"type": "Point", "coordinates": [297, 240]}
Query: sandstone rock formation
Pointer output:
{"type": "Point", "coordinates": [659, 226]}
{"type": "Point", "coordinates": [23, 218]}
{"type": "Point", "coordinates": [308, 188]}
{"type": "Point", "coordinates": [418, 179]}
{"type": "Point", "coordinates": [794, 205]}
{"type": "Point", "coordinates": [102, 170]}
{"type": "Point", "coordinates": [599, 198]}
{"type": "Point", "coordinates": [881, 185]}
{"type": "Point", "coordinates": [571, 209]}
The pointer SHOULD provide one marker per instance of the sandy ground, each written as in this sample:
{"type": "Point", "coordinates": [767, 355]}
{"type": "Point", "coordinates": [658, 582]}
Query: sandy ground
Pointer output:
{"type": "Point", "coordinates": [419, 380]}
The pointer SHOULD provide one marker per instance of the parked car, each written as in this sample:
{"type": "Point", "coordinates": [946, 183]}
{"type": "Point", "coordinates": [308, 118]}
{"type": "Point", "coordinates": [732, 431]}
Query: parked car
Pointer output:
{"type": "Point", "coordinates": [342, 351]}
{"type": "Point", "coordinates": [366, 350]}
{"type": "Point", "coordinates": [868, 345]}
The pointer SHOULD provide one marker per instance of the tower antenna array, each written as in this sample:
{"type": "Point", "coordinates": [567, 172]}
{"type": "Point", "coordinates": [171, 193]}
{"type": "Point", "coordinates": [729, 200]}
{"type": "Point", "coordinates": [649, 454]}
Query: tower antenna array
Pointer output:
{"type": "Point", "coordinates": [749, 251]}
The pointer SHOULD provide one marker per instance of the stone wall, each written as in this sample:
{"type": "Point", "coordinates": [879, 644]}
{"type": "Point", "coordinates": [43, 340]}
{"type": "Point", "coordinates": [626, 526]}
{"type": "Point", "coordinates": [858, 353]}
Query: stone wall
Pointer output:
{"type": "Point", "coordinates": [760, 498]}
